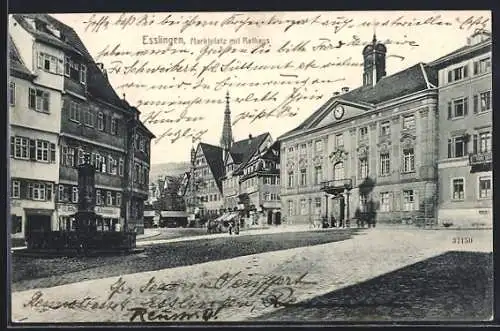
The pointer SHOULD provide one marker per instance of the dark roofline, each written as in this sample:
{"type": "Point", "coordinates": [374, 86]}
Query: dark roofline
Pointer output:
{"type": "Point", "coordinates": [462, 54]}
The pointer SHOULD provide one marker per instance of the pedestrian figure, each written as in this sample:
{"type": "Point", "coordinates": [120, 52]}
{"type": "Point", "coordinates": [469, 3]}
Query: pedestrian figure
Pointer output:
{"type": "Point", "coordinates": [230, 228]}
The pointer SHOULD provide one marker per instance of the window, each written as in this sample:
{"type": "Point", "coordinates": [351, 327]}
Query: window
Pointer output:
{"type": "Point", "coordinates": [100, 121]}
{"type": "Point", "coordinates": [121, 167]}
{"type": "Point", "coordinates": [339, 140]}
{"type": "Point", "coordinates": [385, 128]}
{"type": "Point", "coordinates": [290, 149]}
{"type": "Point", "coordinates": [67, 66]}
{"type": "Point", "coordinates": [408, 160]}
{"type": "Point", "coordinates": [291, 208]}
{"type": "Point", "coordinates": [338, 170]}
{"type": "Point", "coordinates": [37, 191]}
{"type": "Point", "coordinates": [290, 179]}
{"type": "Point", "coordinates": [363, 168]}
{"type": "Point", "coordinates": [482, 102]}
{"type": "Point", "coordinates": [408, 200]}
{"type": "Point", "coordinates": [98, 197]}
{"type": "Point", "coordinates": [363, 202]}
{"type": "Point", "coordinates": [60, 193]}
{"type": "Point", "coordinates": [318, 175]}
{"type": "Point", "coordinates": [50, 63]}
{"type": "Point", "coordinates": [74, 111]}
{"type": "Point", "coordinates": [303, 207]}
{"type": "Point", "coordinates": [303, 177]}
{"type": "Point", "coordinates": [318, 146]}
{"type": "Point", "coordinates": [38, 100]}
{"type": "Point", "coordinates": [482, 66]}
{"type": "Point", "coordinates": [21, 148]}
{"type": "Point", "coordinates": [109, 198]}
{"type": "Point", "coordinates": [409, 122]}
{"type": "Point", "coordinates": [68, 156]}
{"type": "Point", "coordinates": [74, 195]}
{"type": "Point", "coordinates": [83, 74]}
{"type": "Point", "coordinates": [317, 206]}
{"type": "Point", "coordinates": [363, 133]}
{"type": "Point", "coordinates": [303, 149]}
{"type": "Point", "coordinates": [267, 196]}
{"type": "Point", "coordinates": [15, 191]}
{"type": "Point", "coordinates": [88, 118]}
{"type": "Point", "coordinates": [484, 187]}
{"type": "Point", "coordinates": [12, 93]}
{"type": "Point", "coordinates": [458, 108]}
{"type": "Point", "coordinates": [458, 189]}
{"type": "Point", "coordinates": [42, 150]}
{"type": "Point", "coordinates": [385, 164]}
{"type": "Point", "coordinates": [485, 142]}
{"type": "Point", "coordinates": [457, 74]}
{"type": "Point", "coordinates": [114, 126]}
{"type": "Point", "coordinates": [457, 147]}
{"type": "Point", "coordinates": [81, 156]}
{"type": "Point", "coordinates": [385, 202]}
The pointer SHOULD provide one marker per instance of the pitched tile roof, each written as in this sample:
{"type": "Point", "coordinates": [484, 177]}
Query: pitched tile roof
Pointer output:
{"type": "Point", "coordinates": [213, 155]}
{"type": "Point", "coordinates": [241, 151]}
{"type": "Point", "coordinates": [416, 78]}
{"type": "Point", "coordinates": [15, 61]}
{"type": "Point", "coordinates": [98, 85]}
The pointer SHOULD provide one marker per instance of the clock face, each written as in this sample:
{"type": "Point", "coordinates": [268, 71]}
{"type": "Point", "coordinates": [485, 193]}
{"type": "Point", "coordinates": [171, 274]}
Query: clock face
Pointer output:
{"type": "Point", "coordinates": [338, 112]}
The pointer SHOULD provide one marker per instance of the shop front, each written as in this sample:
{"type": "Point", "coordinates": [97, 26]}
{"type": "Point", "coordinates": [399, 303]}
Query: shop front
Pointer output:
{"type": "Point", "coordinates": [107, 218]}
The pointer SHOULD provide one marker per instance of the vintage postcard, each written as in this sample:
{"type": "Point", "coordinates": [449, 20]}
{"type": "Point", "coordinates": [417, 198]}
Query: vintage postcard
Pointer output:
{"type": "Point", "coordinates": [250, 167]}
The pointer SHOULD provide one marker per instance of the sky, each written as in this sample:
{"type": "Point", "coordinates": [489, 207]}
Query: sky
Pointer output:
{"type": "Point", "coordinates": [289, 39]}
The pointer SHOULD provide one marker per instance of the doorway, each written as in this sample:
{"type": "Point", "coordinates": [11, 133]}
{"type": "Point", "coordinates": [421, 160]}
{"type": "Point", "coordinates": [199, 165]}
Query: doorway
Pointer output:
{"type": "Point", "coordinates": [277, 219]}
{"type": "Point", "coordinates": [37, 223]}
{"type": "Point", "coordinates": [269, 217]}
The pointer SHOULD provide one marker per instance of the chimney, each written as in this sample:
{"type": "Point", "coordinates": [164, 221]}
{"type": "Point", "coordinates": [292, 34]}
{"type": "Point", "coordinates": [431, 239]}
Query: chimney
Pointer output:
{"type": "Point", "coordinates": [249, 138]}
{"type": "Point", "coordinates": [345, 89]}
{"type": "Point", "coordinates": [336, 93]}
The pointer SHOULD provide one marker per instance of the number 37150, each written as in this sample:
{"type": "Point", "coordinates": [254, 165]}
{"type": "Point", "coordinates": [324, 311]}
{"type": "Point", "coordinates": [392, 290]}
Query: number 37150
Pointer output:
{"type": "Point", "coordinates": [462, 240]}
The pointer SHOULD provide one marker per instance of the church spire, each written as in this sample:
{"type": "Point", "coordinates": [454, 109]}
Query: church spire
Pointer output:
{"type": "Point", "coordinates": [227, 135]}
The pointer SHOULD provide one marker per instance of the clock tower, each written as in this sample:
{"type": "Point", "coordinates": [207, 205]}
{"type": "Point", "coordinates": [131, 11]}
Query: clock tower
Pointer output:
{"type": "Point", "coordinates": [374, 62]}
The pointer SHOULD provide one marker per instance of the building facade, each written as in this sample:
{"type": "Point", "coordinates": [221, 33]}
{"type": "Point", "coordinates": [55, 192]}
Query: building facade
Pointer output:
{"type": "Point", "coordinates": [465, 132]}
{"type": "Point", "coordinates": [370, 150]}
{"type": "Point", "coordinates": [91, 119]}
{"type": "Point", "coordinates": [259, 185]}
{"type": "Point", "coordinates": [34, 117]}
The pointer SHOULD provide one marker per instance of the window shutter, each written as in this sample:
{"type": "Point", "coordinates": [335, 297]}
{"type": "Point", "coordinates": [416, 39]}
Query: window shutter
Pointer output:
{"type": "Point", "coordinates": [32, 99]}
{"type": "Point", "coordinates": [449, 110]}
{"type": "Point", "coordinates": [476, 67]}
{"type": "Point", "coordinates": [450, 77]}
{"type": "Point", "coordinates": [104, 122]}
{"type": "Point", "coordinates": [48, 189]}
{"type": "Point", "coordinates": [23, 190]}
{"type": "Point", "coordinates": [53, 152]}
{"type": "Point", "coordinates": [450, 149]}
{"type": "Point", "coordinates": [474, 144]}
{"type": "Point", "coordinates": [30, 191]}
{"type": "Point", "coordinates": [75, 157]}
{"type": "Point", "coordinates": [416, 200]}
{"type": "Point", "coordinates": [40, 60]}
{"type": "Point", "coordinates": [466, 71]}
{"type": "Point", "coordinates": [476, 104]}
{"type": "Point", "coordinates": [32, 149]}
{"type": "Point", "coordinates": [12, 145]}
{"type": "Point", "coordinates": [466, 144]}
{"type": "Point", "coordinates": [466, 106]}
{"type": "Point", "coordinates": [108, 123]}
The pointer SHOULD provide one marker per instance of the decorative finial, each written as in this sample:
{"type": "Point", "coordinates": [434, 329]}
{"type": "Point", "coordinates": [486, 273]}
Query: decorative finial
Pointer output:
{"type": "Point", "coordinates": [374, 31]}
{"type": "Point", "coordinates": [123, 96]}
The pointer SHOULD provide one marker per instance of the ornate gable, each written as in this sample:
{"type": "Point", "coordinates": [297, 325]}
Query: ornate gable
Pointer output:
{"type": "Point", "coordinates": [338, 111]}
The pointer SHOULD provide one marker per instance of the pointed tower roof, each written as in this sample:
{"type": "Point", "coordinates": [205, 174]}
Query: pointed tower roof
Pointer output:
{"type": "Point", "coordinates": [227, 134]}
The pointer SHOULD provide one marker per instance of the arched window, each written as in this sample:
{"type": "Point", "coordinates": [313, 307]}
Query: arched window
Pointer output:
{"type": "Point", "coordinates": [338, 170]}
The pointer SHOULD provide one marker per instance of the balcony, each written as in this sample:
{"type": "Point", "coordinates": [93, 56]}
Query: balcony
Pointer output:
{"type": "Point", "coordinates": [336, 186]}
{"type": "Point", "coordinates": [481, 161]}
{"type": "Point", "coordinates": [481, 158]}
